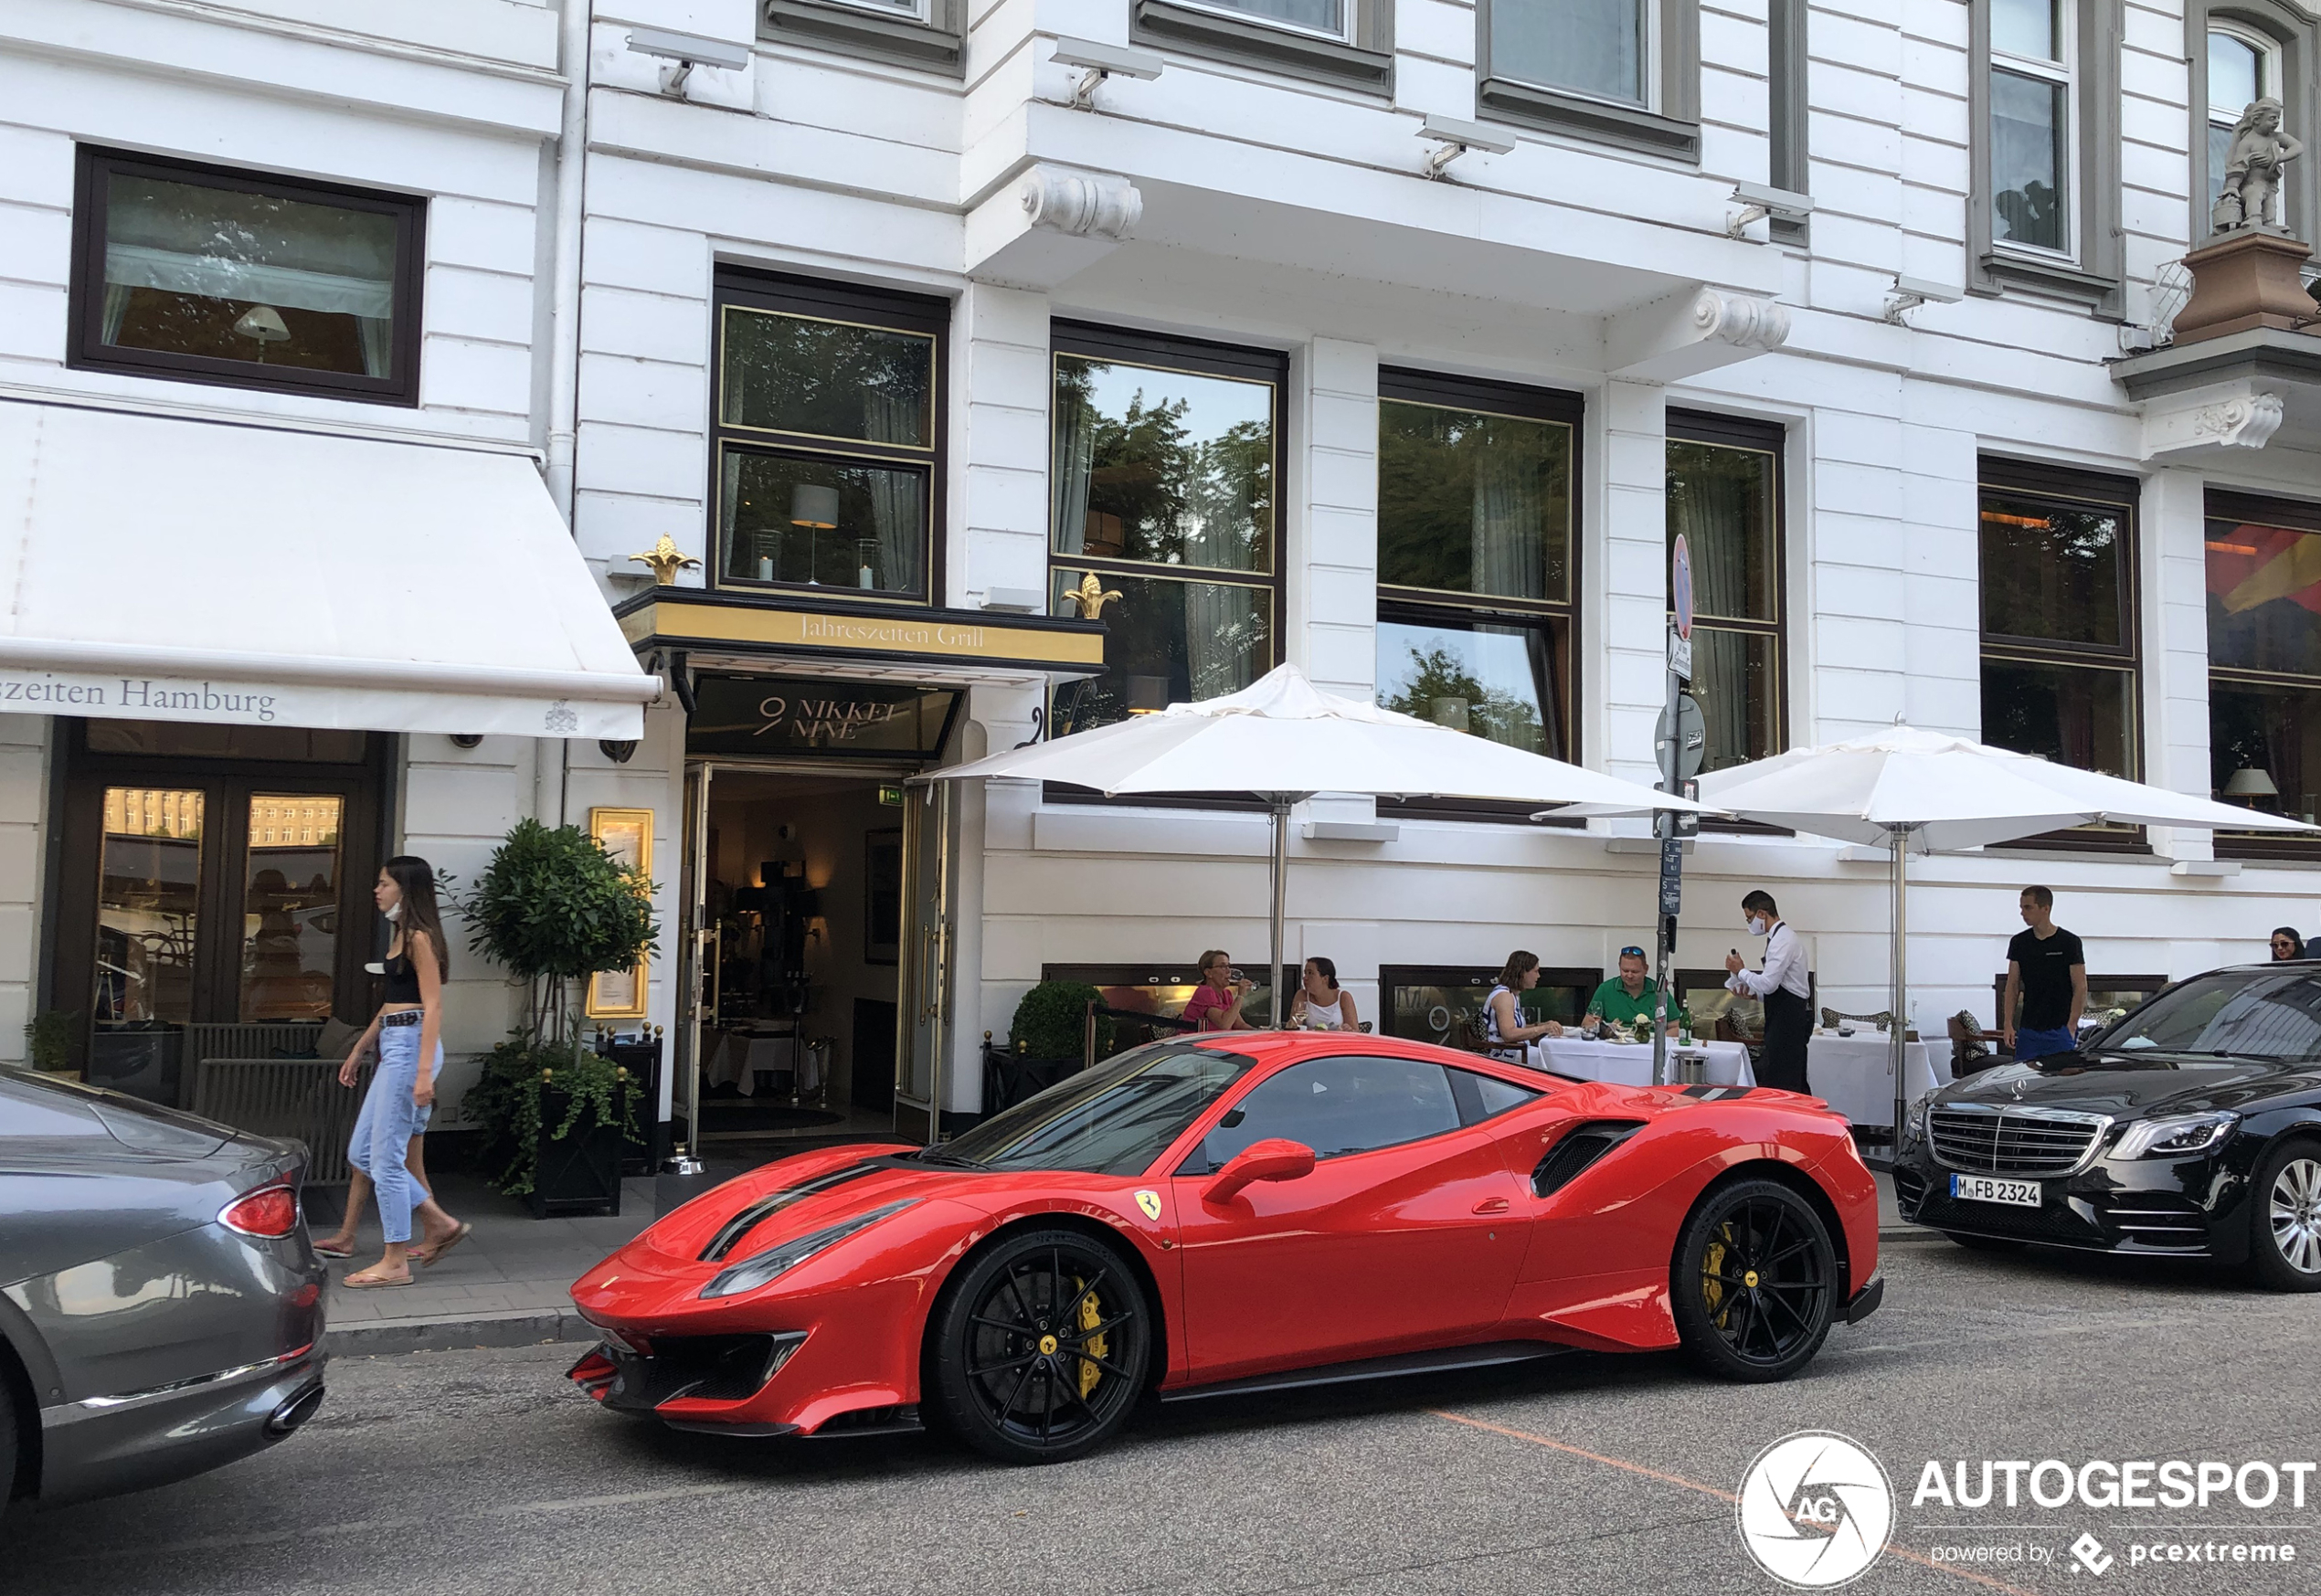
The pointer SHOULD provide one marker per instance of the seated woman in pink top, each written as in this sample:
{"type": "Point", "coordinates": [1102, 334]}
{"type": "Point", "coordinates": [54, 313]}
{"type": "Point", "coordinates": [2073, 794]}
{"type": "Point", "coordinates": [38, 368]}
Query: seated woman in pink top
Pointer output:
{"type": "Point", "coordinates": [1215, 1003]}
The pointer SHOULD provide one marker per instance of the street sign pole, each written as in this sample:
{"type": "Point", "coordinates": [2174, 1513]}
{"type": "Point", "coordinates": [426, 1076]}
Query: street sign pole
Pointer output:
{"type": "Point", "coordinates": [1673, 752]}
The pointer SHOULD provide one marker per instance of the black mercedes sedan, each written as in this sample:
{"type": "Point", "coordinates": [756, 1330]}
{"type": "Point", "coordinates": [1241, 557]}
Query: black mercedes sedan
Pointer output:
{"type": "Point", "coordinates": [2190, 1127]}
{"type": "Point", "coordinates": [161, 1308]}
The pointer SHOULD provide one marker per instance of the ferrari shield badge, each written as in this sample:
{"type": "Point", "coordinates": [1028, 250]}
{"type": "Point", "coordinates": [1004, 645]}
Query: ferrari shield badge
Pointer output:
{"type": "Point", "coordinates": [1150, 1202]}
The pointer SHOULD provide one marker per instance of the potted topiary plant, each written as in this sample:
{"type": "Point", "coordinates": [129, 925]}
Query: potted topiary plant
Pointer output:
{"type": "Point", "coordinates": [553, 908]}
{"type": "Point", "coordinates": [1047, 1038]}
{"type": "Point", "coordinates": [50, 1041]}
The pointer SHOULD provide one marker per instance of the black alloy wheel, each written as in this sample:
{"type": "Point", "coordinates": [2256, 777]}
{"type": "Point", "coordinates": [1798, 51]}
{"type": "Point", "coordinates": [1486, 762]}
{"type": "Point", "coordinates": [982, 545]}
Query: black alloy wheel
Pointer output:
{"type": "Point", "coordinates": [1039, 1347]}
{"type": "Point", "coordinates": [1754, 1282]}
{"type": "Point", "coordinates": [2285, 1219]}
{"type": "Point", "coordinates": [1985, 1243]}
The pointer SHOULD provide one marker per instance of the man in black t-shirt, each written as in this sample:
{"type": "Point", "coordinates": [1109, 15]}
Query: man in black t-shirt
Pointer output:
{"type": "Point", "coordinates": [2047, 970]}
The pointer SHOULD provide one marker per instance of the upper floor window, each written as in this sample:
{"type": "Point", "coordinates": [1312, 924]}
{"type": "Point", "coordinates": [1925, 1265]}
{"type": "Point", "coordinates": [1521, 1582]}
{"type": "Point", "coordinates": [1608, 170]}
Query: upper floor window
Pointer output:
{"type": "Point", "coordinates": [1330, 18]}
{"type": "Point", "coordinates": [200, 274]}
{"type": "Point", "coordinates": [1477, 601]}
{"type": "Point", "coordinates": [1621, 72]}
{"type": "Point", "coordinates": [1164, 482]}
{"type": "Point", "coordinates": [2046, 215]}
{"type": "Point", "coordinates": [1724, 496]}
{"type": "Point", "coordinates": [1596, 47]}
{"type": "Point", "coordinates": [828, 431]}
{"type": "Point", "coordinates": [2032, 85]}
{"type": "Point", "coordinates": [911, 32]}
{"type": "Point", "coordinates": [2059, 618]}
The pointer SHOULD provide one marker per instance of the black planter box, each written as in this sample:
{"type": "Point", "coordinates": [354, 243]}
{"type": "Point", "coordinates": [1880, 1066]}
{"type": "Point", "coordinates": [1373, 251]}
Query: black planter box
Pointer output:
{"type": "Point", "coordinates": [1009, 1078]}
{"type": "Point", "coordinates": [578, 1174]}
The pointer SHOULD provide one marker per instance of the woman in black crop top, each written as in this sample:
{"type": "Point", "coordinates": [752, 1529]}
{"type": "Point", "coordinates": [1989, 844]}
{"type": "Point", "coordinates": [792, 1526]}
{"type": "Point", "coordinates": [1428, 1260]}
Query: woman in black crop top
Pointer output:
{"type": "Point", "coordinates": [407, 1032]}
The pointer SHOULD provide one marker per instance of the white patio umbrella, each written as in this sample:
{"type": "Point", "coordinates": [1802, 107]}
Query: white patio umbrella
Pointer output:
{"type": "Point", "coordinates": [1913, 792]}
{"type": "Point", "coordinates": [1285, 739]}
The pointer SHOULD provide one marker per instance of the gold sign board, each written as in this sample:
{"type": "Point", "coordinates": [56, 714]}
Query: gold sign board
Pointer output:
{"type": "Point", "coordinates": [627, 836]}
{"type": "Point", "coordinates": [681, 622]}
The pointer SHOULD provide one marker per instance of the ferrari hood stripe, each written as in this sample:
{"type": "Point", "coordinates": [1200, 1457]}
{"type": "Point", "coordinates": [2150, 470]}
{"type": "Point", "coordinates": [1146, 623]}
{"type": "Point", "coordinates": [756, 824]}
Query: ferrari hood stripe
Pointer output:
{"type": "Point", "coordinates": [730, 1234]}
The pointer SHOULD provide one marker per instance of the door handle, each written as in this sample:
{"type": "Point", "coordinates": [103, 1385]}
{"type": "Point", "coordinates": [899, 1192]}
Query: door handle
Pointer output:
{"type": "Point", "coordinates": [1492, 1205]}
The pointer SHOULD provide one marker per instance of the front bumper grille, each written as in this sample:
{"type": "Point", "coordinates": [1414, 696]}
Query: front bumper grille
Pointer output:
{"type": "Point", "coordinates": [2023, 1143]}
{"type": "Point", "coordinates": [716, 1369]}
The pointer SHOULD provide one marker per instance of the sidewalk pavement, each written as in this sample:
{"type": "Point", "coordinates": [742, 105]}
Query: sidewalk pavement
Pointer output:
{"type": "Point", "coordinates": [508, 1284]}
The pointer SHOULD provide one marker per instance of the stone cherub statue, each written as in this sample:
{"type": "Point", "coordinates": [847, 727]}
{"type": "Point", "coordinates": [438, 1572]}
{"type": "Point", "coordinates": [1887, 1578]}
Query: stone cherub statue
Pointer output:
{"type": "Point", "coordinates": [2252, 166]}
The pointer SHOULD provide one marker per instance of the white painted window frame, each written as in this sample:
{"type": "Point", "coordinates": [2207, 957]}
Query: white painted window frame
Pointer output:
{"type": "Point", "coordinates": [1346, 20]}
{"type": "Point", "coordinates": [2064, 71]}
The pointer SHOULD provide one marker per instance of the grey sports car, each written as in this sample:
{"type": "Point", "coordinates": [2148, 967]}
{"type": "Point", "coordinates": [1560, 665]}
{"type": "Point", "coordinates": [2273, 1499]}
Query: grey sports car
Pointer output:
{"type": "Point", "coordinates": [161, 1308]}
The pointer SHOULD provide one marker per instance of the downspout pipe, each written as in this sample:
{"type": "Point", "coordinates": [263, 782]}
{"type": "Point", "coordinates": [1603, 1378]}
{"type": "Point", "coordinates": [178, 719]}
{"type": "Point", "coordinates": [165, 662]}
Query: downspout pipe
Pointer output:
{"type": "Point", "coordinates": [552, 773]}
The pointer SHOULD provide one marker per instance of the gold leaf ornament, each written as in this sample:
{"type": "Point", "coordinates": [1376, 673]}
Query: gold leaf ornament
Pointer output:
{"type": "Point", "coordinates": [666, 559]}
{"type": "Point", "coordinates": [1091, 595]}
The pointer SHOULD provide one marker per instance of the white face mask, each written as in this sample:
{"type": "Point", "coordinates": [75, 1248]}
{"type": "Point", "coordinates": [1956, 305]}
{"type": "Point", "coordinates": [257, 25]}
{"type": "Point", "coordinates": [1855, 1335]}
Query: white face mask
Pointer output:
{"type": "Point", "coordinates": [1758, 925]}
{"type": "Point", "coordinates": [394, 912]}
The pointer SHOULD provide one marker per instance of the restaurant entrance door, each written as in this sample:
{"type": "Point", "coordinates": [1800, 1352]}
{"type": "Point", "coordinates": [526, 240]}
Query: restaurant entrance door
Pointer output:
{"type": "Point", "coordinates": [213, 892]}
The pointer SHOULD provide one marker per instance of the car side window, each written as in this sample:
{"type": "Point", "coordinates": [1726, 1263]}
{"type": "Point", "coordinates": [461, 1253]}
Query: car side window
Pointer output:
{"type": "Point", "coordinates": [1336, 1107]}
{"type": "Point", "coordinates": [1482, 1097]}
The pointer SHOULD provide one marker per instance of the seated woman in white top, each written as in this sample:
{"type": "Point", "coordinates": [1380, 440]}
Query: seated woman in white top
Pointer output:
{"type": "Point", "coordinates": [1504, 1032]}
{"type": "Point", "coordinates": [1320, 1003]}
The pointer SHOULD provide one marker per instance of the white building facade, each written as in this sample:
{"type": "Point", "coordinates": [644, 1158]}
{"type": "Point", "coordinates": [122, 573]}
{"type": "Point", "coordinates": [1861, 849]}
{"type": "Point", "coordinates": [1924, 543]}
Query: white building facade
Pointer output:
{"type": "Point", "coordinates": [1391, 338]}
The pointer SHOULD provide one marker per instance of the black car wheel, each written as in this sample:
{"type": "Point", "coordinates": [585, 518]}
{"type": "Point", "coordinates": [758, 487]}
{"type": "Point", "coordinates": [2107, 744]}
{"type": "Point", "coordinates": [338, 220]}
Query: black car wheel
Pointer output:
{"type": "Point", "coordinates": [2285, 1249]}
{"type": "Point", "coordinates": [1985, 1243]}
{"type": "Point", "coordinates": [1040, 1347]}
{"type": "Point", "coordinates": [1754, 1282]}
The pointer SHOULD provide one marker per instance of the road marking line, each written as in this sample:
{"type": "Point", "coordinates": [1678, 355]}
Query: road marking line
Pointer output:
{"type": "Point", "coordinates": [1668, 1479]}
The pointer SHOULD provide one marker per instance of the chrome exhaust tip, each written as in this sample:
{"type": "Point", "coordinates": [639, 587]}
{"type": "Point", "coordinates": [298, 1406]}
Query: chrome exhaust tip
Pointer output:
{"type": "Point", "coordinates": [295, 1412]}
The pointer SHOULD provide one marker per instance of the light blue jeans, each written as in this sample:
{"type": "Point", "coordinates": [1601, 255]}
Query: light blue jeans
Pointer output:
{"type": "Point", "coordinates": [383, 1130]}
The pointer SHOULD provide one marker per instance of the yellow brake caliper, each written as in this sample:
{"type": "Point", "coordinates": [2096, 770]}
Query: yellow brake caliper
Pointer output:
{"type": "Point", "coordinates": [1091, 1315]}
{"type": "Point", "coordinates": [1712, 1288]}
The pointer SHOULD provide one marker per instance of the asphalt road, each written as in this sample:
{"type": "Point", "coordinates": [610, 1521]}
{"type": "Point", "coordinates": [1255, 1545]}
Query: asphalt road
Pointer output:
{"type": "Point", "coordinates": [483, 1472]}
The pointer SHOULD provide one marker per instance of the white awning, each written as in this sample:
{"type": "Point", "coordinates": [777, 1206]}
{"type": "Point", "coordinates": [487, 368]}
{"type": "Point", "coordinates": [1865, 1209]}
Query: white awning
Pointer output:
{"type": "Point", "coordinates": [161, 569]}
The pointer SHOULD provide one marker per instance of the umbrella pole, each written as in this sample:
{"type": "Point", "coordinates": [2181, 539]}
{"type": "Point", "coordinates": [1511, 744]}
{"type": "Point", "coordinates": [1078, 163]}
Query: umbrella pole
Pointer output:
{"type": "Point", "coordinates": [1899, 1000]}
{"type": "Point", "coordinates": [1280, 903]}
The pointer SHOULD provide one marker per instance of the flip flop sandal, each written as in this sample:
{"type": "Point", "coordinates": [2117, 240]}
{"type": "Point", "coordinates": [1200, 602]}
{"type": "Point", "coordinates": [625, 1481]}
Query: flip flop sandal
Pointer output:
{"type": "Point", "coordinates": [352, 1284]}
{"type": "Point", "coordinates": [324, 1250]}
{"type": "Point", "coordinates": [435, 1253]}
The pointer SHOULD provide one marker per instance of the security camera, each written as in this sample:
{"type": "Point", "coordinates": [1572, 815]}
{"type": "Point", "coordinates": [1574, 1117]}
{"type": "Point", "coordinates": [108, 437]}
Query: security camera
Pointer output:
{"type": "Point", "coordinates": [1099, 61]}
{"type": "Point", "coordinates": [688, 51]}
{"type": "Point", "coordinates": [1910, 292]}
{"type": "Point", "coordinates": [1757, 202]}
{"type": "Point", "coordinates": [1453, 138]}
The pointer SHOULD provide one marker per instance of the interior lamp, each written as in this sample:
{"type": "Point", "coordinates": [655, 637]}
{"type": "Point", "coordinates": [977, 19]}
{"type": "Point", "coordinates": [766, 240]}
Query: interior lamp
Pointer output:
{"type": "Point", "coordinates": [265, 325]}
{"type": "Point", "coordinates": [2251, 783]}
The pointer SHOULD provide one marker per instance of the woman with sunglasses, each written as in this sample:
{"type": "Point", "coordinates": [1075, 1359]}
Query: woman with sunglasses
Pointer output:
{"type": "Point", "coordinates": [2286, 944]}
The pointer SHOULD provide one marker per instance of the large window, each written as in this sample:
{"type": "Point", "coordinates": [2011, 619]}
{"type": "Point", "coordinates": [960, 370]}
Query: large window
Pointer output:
{"type": "Point", "coordinates": [2058, 609]}
{"type": "Point", "coordinates": [2047, 136]}
{"type": "Point", "coordinates": [1164, 479]}
{"type": "Point", "coordinates": [827, 435]}
{"type": "Point", "coordinates": [204, 275]}
{"type": "Point", "coordinates": [2264, 660]}
{"type": "Point", "coordinates": [1724, 496]}
{"type": "Point", "coordinates": [1476, 583]}
{"type": "Point", "coordinates": [1624, 72]}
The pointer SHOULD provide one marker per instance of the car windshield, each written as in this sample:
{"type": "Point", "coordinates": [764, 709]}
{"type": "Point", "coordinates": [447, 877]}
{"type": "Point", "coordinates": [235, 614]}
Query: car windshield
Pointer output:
{"type": "Point", "coordinates": [1114, 1119]}
{"type": "Point", "coordinates": [2231, 1014]}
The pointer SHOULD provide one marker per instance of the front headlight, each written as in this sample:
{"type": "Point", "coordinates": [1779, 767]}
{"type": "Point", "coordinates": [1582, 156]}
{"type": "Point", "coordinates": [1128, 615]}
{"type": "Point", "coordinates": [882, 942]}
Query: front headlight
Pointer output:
{"type": "Point", "coordinates": [760, 1267]}
{"type": "Point", "coordinates": [2180, 1135]}
{"type": "Point", "coordinates": [1914, 1122]}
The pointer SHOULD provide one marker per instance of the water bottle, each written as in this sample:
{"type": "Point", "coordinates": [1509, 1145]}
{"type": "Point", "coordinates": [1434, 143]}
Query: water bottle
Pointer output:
{"type": "Point", "coordinates": [1684, 1025]}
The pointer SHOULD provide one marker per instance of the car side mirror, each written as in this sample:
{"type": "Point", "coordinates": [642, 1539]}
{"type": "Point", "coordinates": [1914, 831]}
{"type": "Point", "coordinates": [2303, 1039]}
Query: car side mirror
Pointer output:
{"type": "Point", "coordinates": [1274, 1158]}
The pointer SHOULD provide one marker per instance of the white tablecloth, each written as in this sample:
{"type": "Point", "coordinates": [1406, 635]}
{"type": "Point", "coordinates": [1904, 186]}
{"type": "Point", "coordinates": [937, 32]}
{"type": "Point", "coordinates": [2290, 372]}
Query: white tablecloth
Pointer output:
{"type": "Point", "coordinates": [739, 1055]}
{"type": "Point", "coordinates": [1630, 1064]}
{"type": "Point", "coordinates": [1854, 1074]}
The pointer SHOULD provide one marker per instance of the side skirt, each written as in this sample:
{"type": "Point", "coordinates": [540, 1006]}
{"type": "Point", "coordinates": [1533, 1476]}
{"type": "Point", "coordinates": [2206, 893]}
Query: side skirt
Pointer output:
{"type": "Point", "coordinates": [1489, 1355]}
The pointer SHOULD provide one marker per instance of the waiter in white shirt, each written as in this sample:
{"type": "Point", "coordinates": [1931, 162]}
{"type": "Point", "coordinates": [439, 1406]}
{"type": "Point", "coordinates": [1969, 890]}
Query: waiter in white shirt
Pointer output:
{"type": "Point", "coordinates": [1781, 985]}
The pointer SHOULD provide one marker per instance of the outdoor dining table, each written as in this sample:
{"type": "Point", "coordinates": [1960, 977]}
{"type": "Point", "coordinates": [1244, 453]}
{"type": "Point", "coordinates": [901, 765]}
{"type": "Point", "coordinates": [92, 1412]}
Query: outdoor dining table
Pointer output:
{"type": "Point", "coordinates": [740, 1054]}
{"type": "Point", "coordinates": [1854, 1074]}
{"type": "Point", "coordinates": [1629, 1063]}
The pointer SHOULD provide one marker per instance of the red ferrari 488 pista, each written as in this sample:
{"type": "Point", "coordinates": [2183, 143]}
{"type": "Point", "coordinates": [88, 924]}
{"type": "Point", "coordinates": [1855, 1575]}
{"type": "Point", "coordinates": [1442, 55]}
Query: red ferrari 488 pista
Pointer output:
{"type": "Point", "coordinates": [1238, 1213]}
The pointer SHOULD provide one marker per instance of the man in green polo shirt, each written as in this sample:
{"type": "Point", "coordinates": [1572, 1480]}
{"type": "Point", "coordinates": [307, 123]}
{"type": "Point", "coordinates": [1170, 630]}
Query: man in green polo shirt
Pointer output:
{"type": "Point", "coordinates": [1628, 998]}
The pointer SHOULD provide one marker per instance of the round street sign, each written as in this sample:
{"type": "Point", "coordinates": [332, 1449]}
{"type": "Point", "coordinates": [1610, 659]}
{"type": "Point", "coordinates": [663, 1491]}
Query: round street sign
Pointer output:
{"type": "Point", "coordinates": [1692, 749]}
{"type": "Point", "coordinates": [1681, 586]}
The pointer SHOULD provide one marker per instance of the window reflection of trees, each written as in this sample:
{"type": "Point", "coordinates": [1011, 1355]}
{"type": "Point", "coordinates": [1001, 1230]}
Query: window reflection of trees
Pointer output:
{"type": "Point", "coordinates": [2051, 571]}
{"type": "Point", "coordinates": [1143, 484]}
{"type": "Point", "coordinates": [1439, 678]}
{"type": "Point", "coordinates": [827, 379]}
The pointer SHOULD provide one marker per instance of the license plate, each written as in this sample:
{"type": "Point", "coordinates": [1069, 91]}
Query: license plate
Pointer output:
{"type": "Point", "coordinates": [1989, 1188]}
